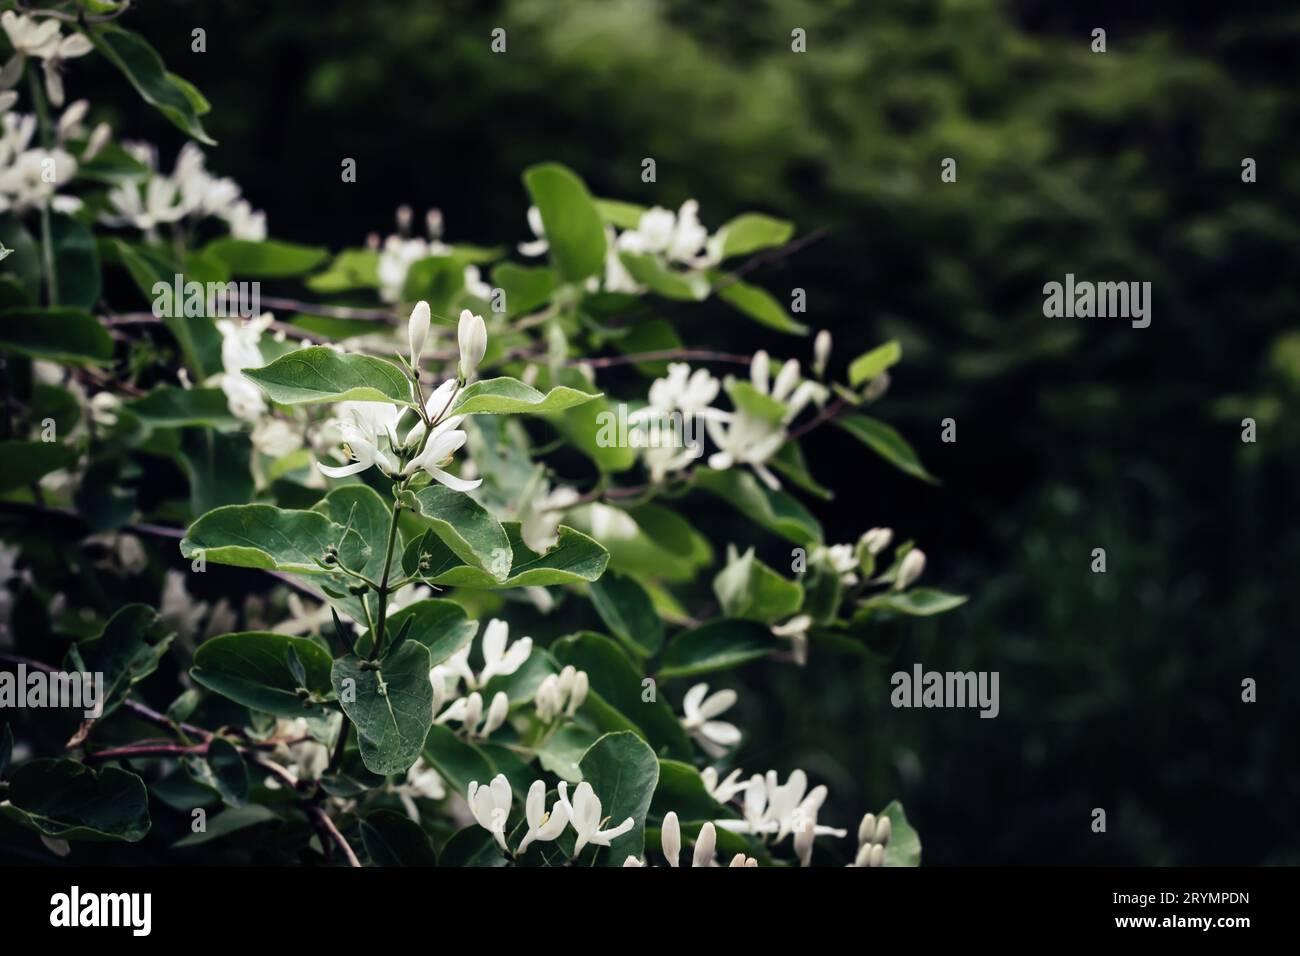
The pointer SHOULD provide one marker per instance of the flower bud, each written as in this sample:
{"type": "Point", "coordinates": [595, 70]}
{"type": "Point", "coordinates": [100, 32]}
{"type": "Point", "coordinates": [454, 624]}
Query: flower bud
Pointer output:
{"type": "Point", "coordinates": [883, 829]}
{"type": "Point", "coordinates": [867, 830]}
{"type": "Point", "coordinates": [821, 352]}
{"type": "Point", "coordinates": [579, 693]}
{"type": "Point", "coordinates": [670, 837]}
{"type": "Point", "coordinates": [496, 712]}
{"type": "Point", "coordinates": [471, 334]}
{"type": "Point", "coordinates": [704, 845]}
{"type": "Point", "coordinates": [910, 569]}
{"type": "Point", "coordinates": [417, 331]}
{"type": "Point", "coordinates": [877, 539]}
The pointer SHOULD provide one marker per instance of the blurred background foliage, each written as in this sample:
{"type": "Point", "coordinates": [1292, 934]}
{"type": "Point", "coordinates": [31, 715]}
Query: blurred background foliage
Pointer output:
{"type": "Point", "coordinates": [1120, 690]}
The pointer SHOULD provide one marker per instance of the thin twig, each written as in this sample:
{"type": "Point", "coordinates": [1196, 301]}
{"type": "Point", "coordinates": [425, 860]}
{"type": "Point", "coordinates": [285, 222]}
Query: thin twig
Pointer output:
{"type": "Point", "coordinates": [323, 819]}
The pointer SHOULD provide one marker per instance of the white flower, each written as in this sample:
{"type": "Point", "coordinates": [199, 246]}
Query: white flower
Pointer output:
{"type": "Point", "coordinates": [468, 710]}
{"type": "Point", "coordinates": [244, 223]}
{"type": "Point", "coordinates": [561, 693]}
{"type": "Point", "coordinates": [406, 595]}
{"type": "Point", "coordinates": [723, 791]}
{"type": "Point", "coordinates": [774, 810]}
{"type": "Point", "coordinates": [160, 203]}
{"type": "Point", "coordinates": [540, 509]}
{"type": "Point", "coordinates": [795, 631]}
{"type": "Point", "coordinates": [675, 237]}
{"type": "Point", "coordinates": [417, 331]}
{"type": "Point", "coordinates": [29, 36]}
{"type": "Point", "coordinates": [363, 428]}
{"type": "Point", "coordinates": [684, 391]}
{"type": "Point", "coordinates": [490, 806]}
{"type": "Point", "coordinates": [305, 759]}
{"type": "Point", "coordinates": [632, 861]}
{"type": "Point", "coordinates": [788, 388]}
{"type": "Point", "coordinates": [177, 609]}
{"type": "Point", "coordinates": [876, 540]}
{"type": "Point", "coordinates": [585, 815]}
{"type": "Point", "coordinates": [498, 659]}
{"type": "Point", "coordinates": [741, 860]}
{"type": "Point", "coordinates": [542, 826]}
{"type": "Point", "coordinates": [821, 352]}
{"type": "Point", "coordinates": [909, 569]}
{"type": "Point", "coordinates": [843, 560]}
{"type": "Point", "coordinates": [670, 838]}
{"type": "Point", "coordinates": [33, 177]}
{"type": "Point", "coordinates": [274, 437]}
{"type": "Point", "coordinates": [539, 245]}
{"type": "Point", "coordinates": [713, 736]}
{"type": "Point", "coordinates": [471, 334]}
{"type": "Point", "coordinates": [705, 845]}
{"type": "Point", "coordinates": [873, 837]}
{"type": "Point", "coordinates": [444, 441]}
{"type": "Point", "coordinates": [475, 285]}
{"type": "Point", "coordinates": [421, 781]}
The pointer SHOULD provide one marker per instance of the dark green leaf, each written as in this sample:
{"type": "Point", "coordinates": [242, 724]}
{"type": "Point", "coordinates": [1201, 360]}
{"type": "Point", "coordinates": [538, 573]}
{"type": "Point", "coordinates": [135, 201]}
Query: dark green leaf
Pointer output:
{"type": "Point", "coordinates": [251, 668]}
{"type": "Point", "coordinates": [392, 706]}
{"type": "Point", "coordinates": [624, 772]}
{"type": "Point", "coordinates": [65, 800]}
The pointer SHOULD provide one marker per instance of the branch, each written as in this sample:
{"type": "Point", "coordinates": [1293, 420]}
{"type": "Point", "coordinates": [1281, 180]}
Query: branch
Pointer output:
{"type": "Point", "coordinates": [322, 819]}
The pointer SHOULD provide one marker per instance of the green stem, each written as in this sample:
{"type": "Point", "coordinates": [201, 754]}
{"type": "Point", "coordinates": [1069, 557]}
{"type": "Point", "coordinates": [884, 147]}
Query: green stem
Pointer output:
{"type": "Point", "coordinates": [378, 642]}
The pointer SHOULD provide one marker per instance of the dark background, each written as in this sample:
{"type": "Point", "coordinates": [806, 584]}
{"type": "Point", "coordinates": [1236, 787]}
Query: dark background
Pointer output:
{"type": "Point", "coordinates": [1120, 690]}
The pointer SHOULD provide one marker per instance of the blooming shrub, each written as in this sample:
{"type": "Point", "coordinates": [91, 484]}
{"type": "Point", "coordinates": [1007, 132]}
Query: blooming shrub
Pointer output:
{"type": "Point", "coordinates": [382, 450]}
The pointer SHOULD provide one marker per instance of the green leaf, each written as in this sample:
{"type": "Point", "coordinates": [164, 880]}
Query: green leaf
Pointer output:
{"type": "Point", "coordinates": [466, 528]}
{"type": "Point", "coordinates": [916, 602]}
{"type": "Point", "coordinates": [576, 558]}
{"type": "Point", "coordinates": [472, 847]}
{"type": "Point", "coordinates": [222, 770]}
{"type": "Point", "coordinates": [776, 511]}
{"type": "Point", "coordinates": [904, 847]}
{"type": "Point", "coordinates": [66, 800]}
{"type": "Point", "coordinates": [716, 646]}
{"type": "Point", "coordinates": [660, 279]}
{"type": "Point", "coordinates": [351, 269]}
{"type": "Point", "coordinates": [23, 262]}
{"type": "Point", "coordinates": [392, 706]}
{"type": "Point", "coordinates": [437, 279]}
{"type": "Point", "coordinates": [885, 442]}
{"type": "Point", "coordinates": [618, 692]}
{"type": "Point", "coordinates": [26, 462]}
{"type": "Point", "coordinates": [76, 262]}
{"type": "Point", "coordinates": [572, 223]}
{"type": "Point", "coordinates": [748, 589]}
{"type": "Point", "coordinates": [681, 790]}
{"type": "Point", "coordinates": [320, 374]}
{"type": "Point", "coordinates": [270, 259]}
{"type": "Point", "coordinates": [624, 215]}
{"type": "Point", "coordinates": [441, 626]}
{"type": "Point", "coordinates": [217, 465]}
{"type": "Point", "coordinates": [526, 288]}
{"type": "Point", "coordinates": [140, 63]}
{"type": "Point", "coordinates": [71, 336]}
{"type": "Point", "coordinates": [752, 231]}
{"type": "Point", "coordinates": [170, 406]}
{"type": "Point", "coordinates": [505, 396]}
{"type": "Point", "coordinates": [362, 509]}
{"type": "Point", "coordinates": [628, 612]}
{"type": "Point", "coordinates": [870, 364]}
{"type": "Point", "coordinates": [760, 306]}
{"type": "Point", "coordinates": [197, 335]}
{"type": "Point", "coordinates": [750, 400]}
{"type": "Point", "coordinates": [252, 668]}
{"type": "Point", "coordinates": [458, 761]}
{"type": "Point", "coordinates": [268, 538]}
{"type": "Point", "coordinates": [789, 461]}
{"type": "Point", "coordinates": [623, 772]}
{"type": "Point", "coordinates": [126, 651]}
{"type": "Point", "coordinates": [392, 839]}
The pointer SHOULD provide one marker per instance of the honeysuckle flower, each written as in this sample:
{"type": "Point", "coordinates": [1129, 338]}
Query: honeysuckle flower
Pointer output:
{"type": "Point", "coordinates": [741, 860]}
{"type": "Point", "coordinates": [821, 352]}
{"type": "Point", "coordinates": [304, 759]}
{"type": "Point", "coordinates": [417, 331]}
{"type": "Point", "coordinates": [795, 631]}
{"type": "Point", "coordinates": [366, 424]}
{"type": "Point", "coordinates": [585, 815]}
{"type": "Point", "coordinates": [773, 810]}
{"type": "Point", "coordinates": [723, 791]}
{"type": "Point", "coordinates": [490, 806]}
{"type": "Point", "coordinates": [177, 609]}
{"type": "Point", "coordinates": [471, 334]}
{"type": "Point", "coordinates": [909, 569]}
{"type": "Point", "coordinates": [561, 693]}
{"type": "Point", "coordinates": [689, 393]}
{"type": "Point", "coordinates": [746, 440]}
{"type": "Point", "coordinates": [538, 246]}
{"type": "Point", "coordinates": [876, 540]}
{"type": "Point", "coordinates": [160, 203]}
{"type": "Point", "coordinates": [542, 826]}
{"type": "Point", "coordinates": [421, 781]}
{"type": "Point", "coordinates": [475, 285]}
{"type": "Point", "coordinates": [873, 837]}
{"type": "Point", "coordinates": [843, 560]}
{"type": "Point", "coordinates": [33, 177]}
{"type": "Point", "coordinates": [713, 736]}
{"type": "Point", "coordinates": [245, 223]}
{"type": "Point", "coordinates": [788, 388]}
{"type": "Point", "coordinates": [705, 846]}
{"type": "Point", "coordinates": [29, 36]}
{"type": "Point", "coordinates": [496, 715]}
{"type": "Point", "coordinates": [466, 711]}
{"type": "Point", "coordinates": [632, 861]}
{"type": "Point", "coordinates": [498, 658]}
{"type": "Point", "coordinates": [540, 510]}
{"type": "Point", "coordinates": [677, 237]}
{"type": "Point", "coordinates": [670, 837]}
{"type": "Point", "coordinates": [274, 437]}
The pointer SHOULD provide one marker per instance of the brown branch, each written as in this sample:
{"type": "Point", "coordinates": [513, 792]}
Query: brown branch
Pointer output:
{"type": "Point", "coordinates": [326, 824]}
